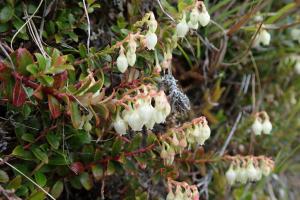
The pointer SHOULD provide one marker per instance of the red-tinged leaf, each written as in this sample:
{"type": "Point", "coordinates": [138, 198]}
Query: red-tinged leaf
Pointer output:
{"type": "Point", "coordinates": [60, 61]}
{"type": "Point", "coordinates": [77, 167]}
{"type": "Point", "coordinates": [54, 107]}
{"type": "Point", "coordinates": [4, 72]}
{"type": "Point", "coordinates": [38, 93]}
{"type": "Point", "coordinates": [59, 79]}
{"type": "Point", "coordinates": [22, 58]}
{"type": "Point", "coordinates": [19, 95]}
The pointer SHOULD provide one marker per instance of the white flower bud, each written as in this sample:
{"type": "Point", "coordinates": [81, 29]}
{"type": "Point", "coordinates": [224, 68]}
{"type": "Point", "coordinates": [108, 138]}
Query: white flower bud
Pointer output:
{"type": "Point", "coordinates": [197, 131]}
{"type": "Point", "coordinates": [146, 111]}
{"type": "Point", "coordinates": [182, 27]}
{"type": "Point", "coordinates": [194, 16]}
{"type": "Point", "coordinates": [231, 175]}
{"type": "Point", "coordinates": [297, 67]}
{"type": "Point", "coordinates": [295, 34]}
{"type": "Point", "coordinates": [265, 37]}
{"type": "Point", "coordinates": [257, 126]}
{"type": "Point", "coordinates": [151, 41]}
{"type": "Point", "coordinates": [122, 63]}
{"type": "Point", "coordinates": [133, 119]}
{"type": "Point", "coordinates": [251, 172]}
{"type": "Point", "coordinates": [265, 169]}
{"type": "Point", "coordinates": [206, 131]}
{"type": "Point", "coordinates": [242, 175]}
{"type": "Point", "coordinates": [131, 58]}
{"type": "Point", "coordinates": [204, 18]}
{"type": "Point", "coordinates": [120, 125]}
{"type": "Point", "coordinates": [266, 126]}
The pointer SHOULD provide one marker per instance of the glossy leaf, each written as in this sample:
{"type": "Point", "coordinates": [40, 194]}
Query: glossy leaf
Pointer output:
{"type": "Point", "coordinates": [54, 107]}
{"type": "Point", "coordinates": [41, 155]}
{"type": "Point", "coordinates": [86, 181]}
{"type": "Point", "coordinates": [3, 177]}
{"type": "Point", "coordinates": [57, 189]}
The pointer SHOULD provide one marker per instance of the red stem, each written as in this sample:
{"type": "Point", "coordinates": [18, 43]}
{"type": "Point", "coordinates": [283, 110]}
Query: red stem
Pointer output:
{"type": "Point", "coordinates": [42, 134]}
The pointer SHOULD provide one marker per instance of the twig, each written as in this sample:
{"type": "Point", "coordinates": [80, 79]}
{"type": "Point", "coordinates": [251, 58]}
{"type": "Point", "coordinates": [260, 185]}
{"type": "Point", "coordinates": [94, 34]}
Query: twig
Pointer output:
{"type": "Point", "coordinates": [163, 10]}
{"type": "Point", "coordinates": [89, 26]}
{"type": "Point", "coordinates": [230, 134]}
{"type": "Point", "coordinates": [27, 21]}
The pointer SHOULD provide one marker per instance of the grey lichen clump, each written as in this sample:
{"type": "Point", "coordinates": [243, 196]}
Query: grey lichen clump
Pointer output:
{"type": "Point", "coordinates": [179, 101]}
{"type": "Point", "coordinates": [3, 138]}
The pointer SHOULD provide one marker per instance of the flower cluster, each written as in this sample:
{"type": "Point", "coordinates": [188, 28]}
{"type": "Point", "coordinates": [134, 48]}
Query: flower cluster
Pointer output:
{"type": "Point", "coordinates": [248, 168]}
{"type": "Point", "coordinates": [188, 135]}
{"type": "Point", "coordinates": [181, 190]}
{"type": "Point", "coordinates": [149, 41]}
{"type": "Point", "coordinates": [263, 37]}
{"type": "Point", "coordinates": [261, 124]}
{"type": "Point", "coordinates": [198, 15]}
{"type": "Point", "coordinates": [139, 110]}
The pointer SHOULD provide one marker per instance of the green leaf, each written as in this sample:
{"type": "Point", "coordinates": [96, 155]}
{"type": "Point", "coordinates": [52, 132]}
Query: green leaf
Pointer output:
{"type": "Point", "coordinates": [59, 69]}
{"type": "Point", "coordinates": [43, 62]}
{"type": "Point", "coordinates": [33, 69]}
{"type": "Point", "coordinates": [53, 140]}
{"type": "Point", "coordinates": [80, 138]}
{"type": "Point", "coordinates": [6, 14]}
{"type": "Point", "coordinates": [110, 168]}
{"type": "Point", "coordinates": [21, 153]}
{"type": "Point", "coordinates": [40, 179]}
{"type": "Point", "coordinates": [37, 195]}
{"type": "Point", "coordinates": [135, 143]}
{"type": "Point", "coordinates": [46, 80]}
{"type": "Point", "coordinates": [97, 171]}
{"type": "Point", "coordinates": [59, 160]}
{"type": "Point", "coordinates": [3, 28]}
{"type": "Point", "coordinates": [15, 183]}
{"type": "Point", "coordinates": [39, 154]}
{"type": "Point", "coordinates": [27, 137]}
{"type": "Point", "coordinates": [57, 189]}
{"type": "Point", "coordinates": [82, 50]}
{"type": "Point", "coordinates": [75, 114]}
{"type": "Point", "coordinates": [86, 181]}
{"type": "Point", "coordinates": [3, 177]}
{"type": "Point", "coordinates": [116, 148]}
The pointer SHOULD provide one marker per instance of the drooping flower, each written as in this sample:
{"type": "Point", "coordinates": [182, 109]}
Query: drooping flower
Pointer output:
{"type": "Point", "coordinates": [151, 41]}
{"type": "Point", "coordinates": [266, 126]}
{"type": "Point", "coordinates": [120, 125]}
{"type": "Point", "coordinates": [122, 62]}
{"type": "Point", "coordinates": [182, 27]}
{"type": "Point", "coordinates": [257, 126]}
{"type": "Point", "coordinates": [231, 175]}
{"type": "Point", "coordinates": [203, 17]}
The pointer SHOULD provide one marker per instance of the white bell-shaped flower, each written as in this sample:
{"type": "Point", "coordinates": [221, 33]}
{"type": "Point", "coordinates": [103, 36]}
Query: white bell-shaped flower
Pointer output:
{"type": "Point", "coordinates": [182, 27]}
{"type": "Point", "coordinates": [120, 125]}
{"type": "Point", "coordinates": [265, 169]}
{"type": "Point", "coordinates": [194, 16]}
{"type": "Point", "coordinates": [242, 175]}
{"type": "Point", "coordinates": [197, 131]}
{"type": "Point", "coordinates": [295, 34]}
{"type": "Point", "coordinates": [297, 67]}
{"type": "Point", "coordinates": [265, 37]}
{"type": "Point", "coordinates": [170, 196]}
{"type": "Point", "coordinates": [151, 40]}
{"type": "Point", "coordinates": [257, 126]}
{"type": "Point", "coordinates": [251, 172]}
{"type": "Point", "coordinates": [206, 131]}
{"type": "Point", "coordinates": [131, 58]}
{"type": "Point", "coordinates": [145, 110]}
{"type": "Point", "coordinates": [231, 175]}
{"type": "Point", "coordinates": [204, 18]}
{"type": "Point", "coordinates": [133, 119]}
{"type": "Point", "coordinates": [266, 126]}
{"type": "Point", "coordinates": [122, 63]}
